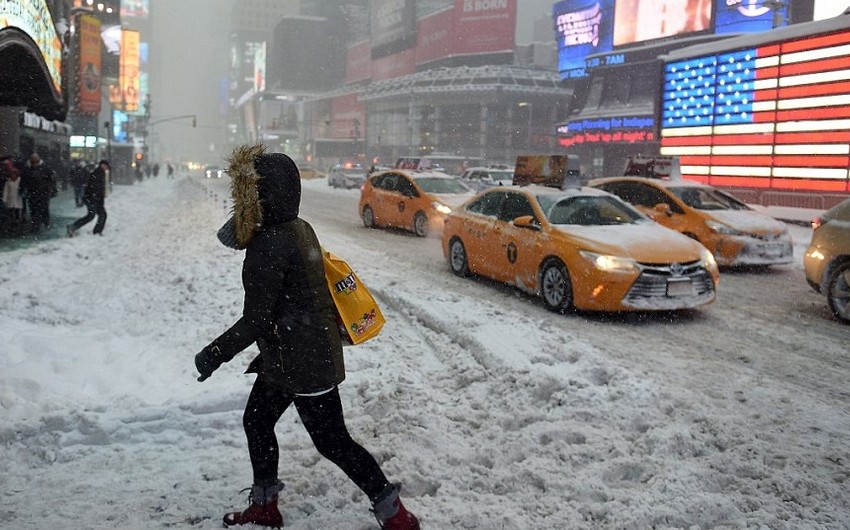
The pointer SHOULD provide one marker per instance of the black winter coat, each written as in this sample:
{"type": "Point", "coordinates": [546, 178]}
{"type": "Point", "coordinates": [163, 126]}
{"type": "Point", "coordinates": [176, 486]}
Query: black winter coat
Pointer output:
{"type": "Point", "coordinates": [95, 189]}
{"type": "Point", "coordinates": [288, 310]}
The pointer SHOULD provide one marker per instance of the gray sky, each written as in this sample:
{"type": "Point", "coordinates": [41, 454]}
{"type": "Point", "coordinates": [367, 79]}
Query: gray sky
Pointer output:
{"type": "Point", "coordinates": [188, 63]}
{"type": "Point", "coordinates": [189, 59]}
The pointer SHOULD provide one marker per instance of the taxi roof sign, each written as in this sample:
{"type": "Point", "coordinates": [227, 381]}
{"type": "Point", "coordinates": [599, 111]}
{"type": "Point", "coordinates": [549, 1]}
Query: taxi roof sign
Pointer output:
{"type": "Point", "coordinates": [556, 171]}
{"type": "Point", "coordinates": [654, 167]}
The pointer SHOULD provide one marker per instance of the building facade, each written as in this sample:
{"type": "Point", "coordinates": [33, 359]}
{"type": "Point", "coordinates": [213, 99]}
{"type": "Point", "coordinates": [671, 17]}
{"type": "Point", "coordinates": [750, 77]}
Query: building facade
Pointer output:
{"type": "Point", "coordinates": [406, 78]}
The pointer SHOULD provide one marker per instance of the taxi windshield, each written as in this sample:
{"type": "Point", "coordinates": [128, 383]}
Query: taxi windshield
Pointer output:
{"type": "Point", "coordinates": [441, 185]}
{"type": "Point", "coordinates": [588, 210]}
{"type": "Point", "coordinates": [707, 198]}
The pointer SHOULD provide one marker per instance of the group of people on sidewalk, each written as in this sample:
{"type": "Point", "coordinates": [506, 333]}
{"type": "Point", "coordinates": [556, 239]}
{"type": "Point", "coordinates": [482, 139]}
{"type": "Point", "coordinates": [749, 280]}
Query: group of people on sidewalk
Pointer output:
{"type": "Point", "coordinates": [27, 190]}
{"type": "Point", "coordinates": [29, 187]}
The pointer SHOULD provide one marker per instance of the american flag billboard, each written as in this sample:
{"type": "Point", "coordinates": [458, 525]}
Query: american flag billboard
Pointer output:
{"type": "Point", "coordinates": [770, 116]}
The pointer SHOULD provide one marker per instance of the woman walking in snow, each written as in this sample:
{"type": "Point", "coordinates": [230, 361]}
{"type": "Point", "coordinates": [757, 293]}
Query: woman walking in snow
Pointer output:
{"type": "Point", "coordinates": [289, 313]}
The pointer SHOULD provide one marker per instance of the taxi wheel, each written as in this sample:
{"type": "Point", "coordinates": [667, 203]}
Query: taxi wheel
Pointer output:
{"type": "Point", "coordinates": [556, 289]}
{"type": "Point", "coordinates": [420, 224]}
{"type": "Point", "coordinates": [838, 292]}
{"type": "Point", "coordinates": [368, 217]}
{"type": "Point", "coordinates": [457, 257]}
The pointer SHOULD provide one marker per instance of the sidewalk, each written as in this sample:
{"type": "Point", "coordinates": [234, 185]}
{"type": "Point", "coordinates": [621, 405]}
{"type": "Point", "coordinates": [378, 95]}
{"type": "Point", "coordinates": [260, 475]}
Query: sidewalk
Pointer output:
{"type": "Point", "coordinates": [62, 213]}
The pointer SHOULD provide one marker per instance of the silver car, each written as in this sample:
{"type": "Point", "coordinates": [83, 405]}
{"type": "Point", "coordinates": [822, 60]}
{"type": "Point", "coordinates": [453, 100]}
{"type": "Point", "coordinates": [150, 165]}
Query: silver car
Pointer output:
{"type": "Point", "coordinates": [348, 178]}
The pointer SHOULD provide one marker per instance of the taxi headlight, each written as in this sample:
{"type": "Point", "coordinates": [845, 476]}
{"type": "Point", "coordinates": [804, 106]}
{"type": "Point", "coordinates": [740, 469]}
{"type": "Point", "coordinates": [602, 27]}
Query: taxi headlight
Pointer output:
{"type": "Point", "coordinates": [708, 258]}
{"type": "Point", "coordinates": [721, 228]}
{"type": "Point", "coordinates": [610, 263]}
{"type": "Point", "coordinates": [440, 207]}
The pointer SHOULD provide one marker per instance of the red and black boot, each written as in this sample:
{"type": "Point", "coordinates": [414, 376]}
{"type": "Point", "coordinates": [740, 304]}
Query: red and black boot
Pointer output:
{"type": "Point", "coordinates": [391, 513]}
{"type": "Point", "coordinates": [263, 510]}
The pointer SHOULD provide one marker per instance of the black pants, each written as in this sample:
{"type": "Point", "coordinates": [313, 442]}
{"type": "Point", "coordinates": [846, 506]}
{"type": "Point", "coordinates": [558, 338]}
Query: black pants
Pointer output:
{"type": "Point", "coordinates": [322, 417]}
{"type": "Point", "coordinates": [39, 211]}
{"type": "Point", "coordinates": [93, 207]}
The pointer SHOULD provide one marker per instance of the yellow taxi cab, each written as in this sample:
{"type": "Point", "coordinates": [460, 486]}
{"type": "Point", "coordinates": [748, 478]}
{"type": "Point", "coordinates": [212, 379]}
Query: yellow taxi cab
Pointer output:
{"type": "Point", "coordinates": [736, 234]}
{"type": "Point", "coordinates": [578, 248]}
{"type": "Point", "coordinates": [411, 200]}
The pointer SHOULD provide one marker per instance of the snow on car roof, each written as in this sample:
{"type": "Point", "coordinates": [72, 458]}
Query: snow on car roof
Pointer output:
{"type": "Point", "coordinates": [537, 189]}
{"type": "Point", "coordinates": [661, 182]}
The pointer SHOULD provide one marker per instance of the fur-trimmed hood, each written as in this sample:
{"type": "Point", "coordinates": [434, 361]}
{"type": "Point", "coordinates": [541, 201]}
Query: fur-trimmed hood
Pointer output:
{"type": "Point", "coordinates": [266, 190]}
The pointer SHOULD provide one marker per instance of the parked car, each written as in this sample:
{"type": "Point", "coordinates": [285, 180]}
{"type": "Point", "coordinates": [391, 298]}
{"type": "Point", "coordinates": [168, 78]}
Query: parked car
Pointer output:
{"type": "Point", "coordinates": [214, 172]}
{"type": "Point", "coordinates": [411, 200]}
{"type": "Point", "coordinates": [481, 178]}
{"type": "Point", "coordinates": [827, 260]}
{"type": "Point", "coordinates": [347, 177]}
{"type": "Point", "coordinates": [736, 234]}
{"type": "Point", "coordinates": [578, 248]}
{"type": "Point", "coordinates": [310, 172]}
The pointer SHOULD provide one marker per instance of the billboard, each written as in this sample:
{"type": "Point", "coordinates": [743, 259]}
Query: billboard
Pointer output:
{"type": "Point", "coordinates": [260, 68]}
{"type": "Point", "coordinates": [582, 28]}
{"type": "Point", "coordinates": [392, 26]}
{"type": "Point", "coordinates": [746, 16]}
{"type": "Point", "coordinates": [644, 20]}
{"type": "Point", "coordinates": [483, 27]}
{"type": "Point", "coordinates": [89, 80]}
{"type": "Point", "coordinates": [135, 9]}
{"type": "Point", "coordinates": [128, 79]}
{"type": "Point", "coordinates": [771, 116]}
{"type": "Point", "coordinates": [33, 18]}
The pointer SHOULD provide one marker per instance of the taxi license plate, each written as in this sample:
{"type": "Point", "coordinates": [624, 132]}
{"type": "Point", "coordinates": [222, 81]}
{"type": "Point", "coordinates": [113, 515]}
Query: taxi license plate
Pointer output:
{"type": "Point", "coordinates": [679, 288]}
{"type": "Point", "coordinates": [773, 250]}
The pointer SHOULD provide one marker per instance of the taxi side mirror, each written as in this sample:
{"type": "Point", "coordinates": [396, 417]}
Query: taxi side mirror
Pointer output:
{"type": "Point", "coordinates": [526, 221]}
{"type": "Point", "coordinates": [663, 208]}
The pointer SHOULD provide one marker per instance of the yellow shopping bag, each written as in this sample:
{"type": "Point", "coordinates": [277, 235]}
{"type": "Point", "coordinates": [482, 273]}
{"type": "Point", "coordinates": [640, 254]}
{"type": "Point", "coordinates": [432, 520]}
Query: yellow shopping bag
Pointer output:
{"type": "Point", "coordinates": [359, 316]}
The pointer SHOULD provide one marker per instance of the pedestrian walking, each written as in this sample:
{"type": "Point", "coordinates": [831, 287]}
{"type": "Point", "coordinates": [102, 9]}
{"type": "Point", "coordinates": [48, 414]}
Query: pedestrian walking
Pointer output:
{"type": "Point", "coordinates": [170, 169]}
{"type": "Point", "coordinates": [12, 193]}
{"type": "Point", "coordinates": [39, 183]}
{"type": "Point", "coordinates": [289, 313]}
{"type": "Point", "coordinates": [79, 174]}
{"type": "Point", "coordinates": [93, 198]}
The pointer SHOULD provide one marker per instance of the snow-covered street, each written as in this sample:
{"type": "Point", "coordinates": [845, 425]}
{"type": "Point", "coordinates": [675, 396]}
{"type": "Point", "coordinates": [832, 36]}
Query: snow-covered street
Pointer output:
{"type": "Point", "coordinates": [491, 411]}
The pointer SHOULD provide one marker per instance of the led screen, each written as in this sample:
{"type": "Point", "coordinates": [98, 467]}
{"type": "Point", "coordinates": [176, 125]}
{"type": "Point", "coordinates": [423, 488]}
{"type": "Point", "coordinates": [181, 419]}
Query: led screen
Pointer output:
{"type": "Point", "coordinates": [748, 16]}
{"type": "Point", "coordinates": [582, 27]}
{"type": "Point", "coordinates": [643, 20]}
{"type": "Point", "coordinates": [773, 116]}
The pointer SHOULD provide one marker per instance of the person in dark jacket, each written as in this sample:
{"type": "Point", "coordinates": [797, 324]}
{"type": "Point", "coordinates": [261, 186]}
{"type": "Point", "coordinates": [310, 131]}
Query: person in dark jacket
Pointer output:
{"type": "Point", "coordinates": [38, 183]}
{"type": "Point", "coordinates": [79, 175]}
{"type": "Point", "coordinates": [93, 197]}
{"type": "Point", "coordinates": [289, 313]}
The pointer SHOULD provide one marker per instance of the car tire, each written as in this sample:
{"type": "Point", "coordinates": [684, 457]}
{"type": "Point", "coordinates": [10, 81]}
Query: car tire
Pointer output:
{"type": "Point", "coordinates": [556, 288]}
{"type": "Point", "coordinates": [368, 217]}
{"type": "Point", "coordinates": [458, 261]}
{"type": "Point", "coordinates": [838, 292]}
{"type": "Point", "coordinates": [420, 224]}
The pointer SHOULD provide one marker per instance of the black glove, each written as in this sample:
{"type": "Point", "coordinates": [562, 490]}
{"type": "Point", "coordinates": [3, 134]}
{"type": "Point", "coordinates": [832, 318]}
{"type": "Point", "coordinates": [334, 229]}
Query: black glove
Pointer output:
{"type": "Point", "coordinates": [207, 362]}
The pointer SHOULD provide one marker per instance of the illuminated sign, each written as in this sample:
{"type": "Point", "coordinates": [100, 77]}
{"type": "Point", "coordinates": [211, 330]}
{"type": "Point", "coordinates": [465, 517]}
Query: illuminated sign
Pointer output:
{"type": "Point", "coordinates": [642, 21]}
{"type": "Point", "coordinates": [90, 73]}
{"type": "Point", "coordinates": [747, 16]}
{"type": "Point", "coordinates": [629, 130]}
{"type": "Point", "coordinates": [774, 116]}
{"type": "Point", "coordinates": [582, 28]}
{"type": "Point", "coordinates": [33, 18]}
{"type": "Point", "coordinates": [134, 9]}
{"type": "Point", "coordinates": [128, 80]}
{"type": "Point", "coordinates": [260, 68]}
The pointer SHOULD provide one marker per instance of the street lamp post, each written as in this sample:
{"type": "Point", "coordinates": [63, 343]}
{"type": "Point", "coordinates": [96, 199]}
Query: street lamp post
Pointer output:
{"type": "Point", "coordinates": [107, 126]}
{"type": "Point", "coordinates": [529, 107]}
